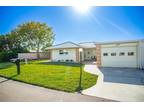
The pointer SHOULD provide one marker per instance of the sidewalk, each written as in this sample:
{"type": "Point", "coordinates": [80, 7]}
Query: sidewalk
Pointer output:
{"type": "Point", "coordinates": [94, 89]}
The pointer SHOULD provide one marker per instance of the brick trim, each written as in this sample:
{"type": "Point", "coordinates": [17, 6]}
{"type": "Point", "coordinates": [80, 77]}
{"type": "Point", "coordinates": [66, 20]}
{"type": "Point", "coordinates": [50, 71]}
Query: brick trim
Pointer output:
{"type": "Point", "coordinates": [98, 55]}
{"type": "Point", "coordinates": [77, 55]}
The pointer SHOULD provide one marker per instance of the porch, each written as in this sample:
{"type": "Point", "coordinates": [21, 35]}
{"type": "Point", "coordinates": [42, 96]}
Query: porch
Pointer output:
{"type": "Point", "coordinates": [89, 55]}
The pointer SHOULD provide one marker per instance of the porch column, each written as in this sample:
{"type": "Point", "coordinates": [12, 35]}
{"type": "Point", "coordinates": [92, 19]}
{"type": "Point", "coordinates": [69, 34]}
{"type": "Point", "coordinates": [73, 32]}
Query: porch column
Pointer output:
{"type": "Point", "coordinates": [98, 55]}
{"type": "Point", "coordinates": [77, 55]}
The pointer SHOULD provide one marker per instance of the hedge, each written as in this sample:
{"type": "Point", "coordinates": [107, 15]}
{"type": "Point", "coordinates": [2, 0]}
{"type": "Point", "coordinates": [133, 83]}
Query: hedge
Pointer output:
{"type": "Point", "coordinates": [7, 55]}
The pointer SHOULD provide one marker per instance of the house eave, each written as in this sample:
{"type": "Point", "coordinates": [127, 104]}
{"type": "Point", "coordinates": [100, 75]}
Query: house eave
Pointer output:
{"type": "Point", "coordinates": [118, 42]}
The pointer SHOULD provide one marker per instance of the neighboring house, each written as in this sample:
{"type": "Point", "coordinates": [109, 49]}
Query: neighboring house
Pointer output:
{"type": "Point", "coordinates": [106, 54]}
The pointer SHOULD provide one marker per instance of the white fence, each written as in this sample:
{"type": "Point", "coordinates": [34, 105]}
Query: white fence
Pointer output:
{"type": "Point", "coordinates": [43, 55]}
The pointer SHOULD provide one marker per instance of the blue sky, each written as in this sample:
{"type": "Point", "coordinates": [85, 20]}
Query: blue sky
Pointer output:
{"type": "Point", "coordinates": [98, 24]}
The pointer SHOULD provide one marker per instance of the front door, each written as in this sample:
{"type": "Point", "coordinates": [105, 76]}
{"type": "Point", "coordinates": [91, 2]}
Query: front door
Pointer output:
{"type": "Point", "coordinates": [89, 54]}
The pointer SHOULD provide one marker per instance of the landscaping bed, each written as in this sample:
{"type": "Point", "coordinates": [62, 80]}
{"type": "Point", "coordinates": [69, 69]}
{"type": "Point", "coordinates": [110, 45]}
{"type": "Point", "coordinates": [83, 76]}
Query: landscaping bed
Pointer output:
{"type": "Point", "coordinates": [59, 76]}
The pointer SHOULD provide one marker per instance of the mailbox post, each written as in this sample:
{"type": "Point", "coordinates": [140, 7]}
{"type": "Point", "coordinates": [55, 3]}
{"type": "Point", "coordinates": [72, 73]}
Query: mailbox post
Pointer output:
{"type": "Point", "coordinates": [80, 81]}
{"type": "Point", "coordinates": [18, 66]}
{"type": "Point", "coordinates": [17, 62]}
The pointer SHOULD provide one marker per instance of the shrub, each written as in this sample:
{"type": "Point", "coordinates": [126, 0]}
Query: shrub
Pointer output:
{"type": "Point", "coordinates": [59, 60]}
{"type": "Point", "coordinates": [7, 55]}
{"type": "Point", "coordinates": [67, 60]}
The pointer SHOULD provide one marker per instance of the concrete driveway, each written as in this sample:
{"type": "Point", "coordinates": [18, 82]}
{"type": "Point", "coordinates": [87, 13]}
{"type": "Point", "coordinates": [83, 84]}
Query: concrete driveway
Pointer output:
{"type": "Point", "coordinates": [123, 75]}
{"type": "Point", "coordinates": [121, 84]}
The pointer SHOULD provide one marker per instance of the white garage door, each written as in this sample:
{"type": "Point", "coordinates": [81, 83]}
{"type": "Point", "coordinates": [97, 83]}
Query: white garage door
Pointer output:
{"type": "Point", "coordinates": [119, 57]}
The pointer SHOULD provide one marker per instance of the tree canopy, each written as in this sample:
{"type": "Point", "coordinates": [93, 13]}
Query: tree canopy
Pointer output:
{"type": "Point", "coordinates": [32, 36]}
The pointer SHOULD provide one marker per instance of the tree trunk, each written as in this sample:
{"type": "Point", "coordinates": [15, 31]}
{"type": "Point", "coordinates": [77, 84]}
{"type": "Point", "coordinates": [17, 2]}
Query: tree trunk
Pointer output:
{"type": "Point", "coordinates": [38, 54]}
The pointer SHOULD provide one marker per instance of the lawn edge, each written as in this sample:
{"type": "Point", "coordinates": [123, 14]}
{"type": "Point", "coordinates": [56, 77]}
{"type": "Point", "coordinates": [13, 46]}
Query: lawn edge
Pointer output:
{"type": "Point", "coordinates": [8, 78]}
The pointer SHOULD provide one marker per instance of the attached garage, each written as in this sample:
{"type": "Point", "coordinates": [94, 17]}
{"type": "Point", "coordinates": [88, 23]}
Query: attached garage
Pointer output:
{"type": "Point", "coordinates": [119, 55]}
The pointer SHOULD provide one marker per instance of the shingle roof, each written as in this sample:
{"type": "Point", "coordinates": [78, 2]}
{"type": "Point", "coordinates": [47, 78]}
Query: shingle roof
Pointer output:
{"type": "Point", "coordinates": [70, 44]}
{"type": "Point", "coordinates": [115, 42]}
{"type": "Point", "coordinates": [65, 45]}
{"type": "Point", "coordinates": [88, 44]}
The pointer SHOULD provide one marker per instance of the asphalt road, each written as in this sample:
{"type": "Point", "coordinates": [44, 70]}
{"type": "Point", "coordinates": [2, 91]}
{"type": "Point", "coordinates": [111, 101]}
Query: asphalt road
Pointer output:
{"type": "Point", "coordinates": [13, 91]}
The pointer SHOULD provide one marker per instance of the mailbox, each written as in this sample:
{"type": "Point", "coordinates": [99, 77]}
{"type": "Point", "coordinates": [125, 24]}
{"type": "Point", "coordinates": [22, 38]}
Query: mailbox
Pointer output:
{"type": "Point", "coordinates": [17, 62]}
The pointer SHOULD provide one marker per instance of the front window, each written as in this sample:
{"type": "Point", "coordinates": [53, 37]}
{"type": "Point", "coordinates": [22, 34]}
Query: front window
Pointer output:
{"type": "Point", "coordinates": [66, 52]}
{"type": "Point", "coordinates": [63, 52]}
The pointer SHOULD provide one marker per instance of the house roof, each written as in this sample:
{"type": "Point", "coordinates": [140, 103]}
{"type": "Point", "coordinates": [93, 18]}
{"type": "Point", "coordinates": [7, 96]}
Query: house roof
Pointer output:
{"type": "Point", "coordinates": [118, 42]}
{"type": "Point", "coordinates": [70, 44]}
{"type": "Point", "coordinates": [65, 45]}
{"type": "Point", "coordinates": [88, 44]}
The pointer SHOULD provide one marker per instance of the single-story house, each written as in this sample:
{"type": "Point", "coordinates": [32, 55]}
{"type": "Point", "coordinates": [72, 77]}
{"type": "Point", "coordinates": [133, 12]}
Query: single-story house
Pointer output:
{"type": "Point", "coordinates": [106, 54]}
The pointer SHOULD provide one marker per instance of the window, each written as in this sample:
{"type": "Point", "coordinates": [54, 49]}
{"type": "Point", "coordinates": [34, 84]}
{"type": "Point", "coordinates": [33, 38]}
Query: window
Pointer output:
{"type": "Point", "coordinates": [66, 52]}
{"type": "Point", "coordinates": [105, 54]}
{"type": "Point", "coordinates": [61, 52]}
{"type": "Point", "coordinates": [121, 54]}
{"type": "Point", "coordinates": [130, 53]}
{"type": "Point", "coordinates": [113, 54]}
{"type": "Point", "coordinates": [88, 52]}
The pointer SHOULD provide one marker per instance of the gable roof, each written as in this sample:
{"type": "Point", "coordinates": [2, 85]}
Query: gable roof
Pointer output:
{"type": "Point", "coordinates": [88, 44]}
{"type": "Point", "coordinates": [70, 44]}
{"type": "Point", "coordinates": [67, 44]}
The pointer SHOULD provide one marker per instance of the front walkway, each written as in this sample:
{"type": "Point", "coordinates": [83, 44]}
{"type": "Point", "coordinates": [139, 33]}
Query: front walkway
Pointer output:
{"type": "Point", "coordinates": [17, 91]}
{"type": "Point", "coordinates": [109, 87]}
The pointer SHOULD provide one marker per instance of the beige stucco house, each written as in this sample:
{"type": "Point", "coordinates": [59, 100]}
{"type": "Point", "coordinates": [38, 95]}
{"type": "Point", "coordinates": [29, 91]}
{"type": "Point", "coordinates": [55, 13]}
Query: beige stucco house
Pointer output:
{"type": "Point", "coordinates": [105, 54]}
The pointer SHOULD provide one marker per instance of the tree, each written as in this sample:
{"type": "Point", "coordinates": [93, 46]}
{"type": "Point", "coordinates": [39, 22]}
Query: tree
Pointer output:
{"type": "Point", "coordinates": [8, 50]}
{"type": "Point", "coordinates": [4, 41]}
{"type": "Point", "coordinates": [34, 36]}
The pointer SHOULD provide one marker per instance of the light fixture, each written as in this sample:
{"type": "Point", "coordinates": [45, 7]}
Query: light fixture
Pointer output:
{"type": "Point", "coordinates": [80, 49]}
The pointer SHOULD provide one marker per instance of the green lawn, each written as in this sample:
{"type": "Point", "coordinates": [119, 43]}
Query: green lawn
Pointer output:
{"type": "Point", "coordinates": [59, 76]}
{"type": "Point", "coordinates": [5, 65]}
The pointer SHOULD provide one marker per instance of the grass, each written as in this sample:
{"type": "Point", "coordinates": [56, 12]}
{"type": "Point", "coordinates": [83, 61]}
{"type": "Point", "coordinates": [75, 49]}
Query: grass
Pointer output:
{"type": "Point", "coordinates": [59, 76]}
{"type": "Point", "coordinates": [5, 65]}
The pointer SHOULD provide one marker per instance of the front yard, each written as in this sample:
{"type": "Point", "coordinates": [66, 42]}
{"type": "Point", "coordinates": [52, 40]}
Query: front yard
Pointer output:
{"type": "Point", "coordinates": [59, 76]}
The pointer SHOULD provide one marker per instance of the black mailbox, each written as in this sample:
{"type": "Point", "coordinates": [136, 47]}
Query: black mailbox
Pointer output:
{"type": "Point", "coordinates": [17, 62]}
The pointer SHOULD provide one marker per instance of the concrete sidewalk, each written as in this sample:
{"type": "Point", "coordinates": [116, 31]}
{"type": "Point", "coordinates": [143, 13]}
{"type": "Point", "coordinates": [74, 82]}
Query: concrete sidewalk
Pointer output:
{"type": "Point", "coordinates": [17, 91]}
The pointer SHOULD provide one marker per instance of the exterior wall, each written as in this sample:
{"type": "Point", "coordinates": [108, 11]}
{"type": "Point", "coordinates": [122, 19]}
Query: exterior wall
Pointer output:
{"type": "Point", "coordinates": [70, 56]}
{"type": "Point", "coordinates": [119, 61]}
{"type": "Point", "coordinates": [43, 55]}
{"type": "Point", "coordinates": [141, 55]}
{"type": "Point", "coordinates": [98, 55]}
{"type": "Point", "coordinates": [89, 53]}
